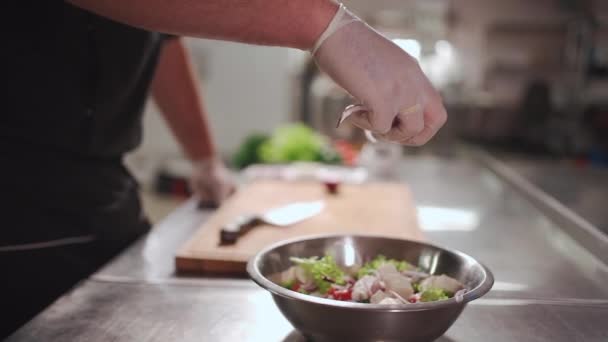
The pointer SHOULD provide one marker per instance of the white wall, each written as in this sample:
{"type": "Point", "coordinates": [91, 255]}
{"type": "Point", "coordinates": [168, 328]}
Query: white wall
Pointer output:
{"type": "Point", "coordinates": [245, 88]}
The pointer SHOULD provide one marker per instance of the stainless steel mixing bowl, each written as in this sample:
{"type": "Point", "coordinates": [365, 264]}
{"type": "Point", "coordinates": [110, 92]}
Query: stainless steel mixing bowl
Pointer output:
{"type": "Point", "coordinates": [322, 319]}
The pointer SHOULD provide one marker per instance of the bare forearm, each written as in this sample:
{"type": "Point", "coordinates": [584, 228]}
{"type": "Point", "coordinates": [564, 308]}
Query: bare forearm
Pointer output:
{"type": "Point", "coordinates": [175, 90]}
{"type": "Point", "coordinates": [290, 23]}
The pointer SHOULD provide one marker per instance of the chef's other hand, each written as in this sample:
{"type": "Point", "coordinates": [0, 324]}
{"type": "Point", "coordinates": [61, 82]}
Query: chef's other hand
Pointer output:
{"type": "Point", "coordinates": [402, 105]}
{"type": "Point", "coordinates": [211, 181]}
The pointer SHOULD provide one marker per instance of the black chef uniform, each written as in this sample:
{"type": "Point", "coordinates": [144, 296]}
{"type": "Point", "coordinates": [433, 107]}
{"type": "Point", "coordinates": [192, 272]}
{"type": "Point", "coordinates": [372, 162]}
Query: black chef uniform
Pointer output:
{"type": "Point", "coordinates": [74, 87]}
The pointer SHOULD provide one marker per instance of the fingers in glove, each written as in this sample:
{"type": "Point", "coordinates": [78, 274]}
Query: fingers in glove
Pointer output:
{"type": "Point", "coordinates": [435, 117]}
{"type": "Point", "coordinates": [408, 123]}
{"type": "Point", "coordinates": [357, 115]}
{"type": "Point", "coordinates": [205, 199]}
{"type": "Point", "coordinates": [218, 193]}
{"type": "Point", "coordinates": [362, 117]}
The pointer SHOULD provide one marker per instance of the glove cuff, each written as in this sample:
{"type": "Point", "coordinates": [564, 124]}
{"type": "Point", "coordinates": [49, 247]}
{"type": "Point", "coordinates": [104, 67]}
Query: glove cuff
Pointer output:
{"type": "Point", "coordinates": [342, 18]}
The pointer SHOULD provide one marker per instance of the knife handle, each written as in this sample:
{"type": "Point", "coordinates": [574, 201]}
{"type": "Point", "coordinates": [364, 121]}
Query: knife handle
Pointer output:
{"type": "Point", "coordinates": [231, 232]}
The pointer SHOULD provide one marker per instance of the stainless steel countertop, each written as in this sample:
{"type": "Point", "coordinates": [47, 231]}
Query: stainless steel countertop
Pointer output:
{"type": "Point", "coordinates": [585, 192]}
{"type": "Point", "coordinates": [548, 287]}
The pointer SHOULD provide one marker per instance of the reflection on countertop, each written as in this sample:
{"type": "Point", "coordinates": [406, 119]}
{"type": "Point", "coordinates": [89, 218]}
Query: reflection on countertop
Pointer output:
{"type": "Point", "coordinates": [582, 188]}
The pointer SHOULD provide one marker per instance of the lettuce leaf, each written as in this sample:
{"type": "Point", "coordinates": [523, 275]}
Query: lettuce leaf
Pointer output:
{"type": "Point", "coordinates": [323, 271]}
{"type": "Point", "coordinates": [380, 260]}
{"type": "Point", "coordinates": [434, 294]}
{"type": "Point", "coordinates": [288, 284]}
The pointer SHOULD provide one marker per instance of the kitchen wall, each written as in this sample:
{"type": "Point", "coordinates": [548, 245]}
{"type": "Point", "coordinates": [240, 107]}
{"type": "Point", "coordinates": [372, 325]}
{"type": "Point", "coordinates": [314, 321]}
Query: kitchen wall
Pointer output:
{"type": "Point", "coordinates": [249, 88]}
{"type": "Point", "coordinates": [245, 88]}
{"type": "Point", "coordinates": [469, 23]}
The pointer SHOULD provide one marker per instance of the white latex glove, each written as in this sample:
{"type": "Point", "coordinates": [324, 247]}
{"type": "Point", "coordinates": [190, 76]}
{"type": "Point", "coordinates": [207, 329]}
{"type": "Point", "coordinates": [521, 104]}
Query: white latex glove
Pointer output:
{"type": "Point", "coordinates": [211, 181]}
{"type": "Point", "coordinates": [399, 104]}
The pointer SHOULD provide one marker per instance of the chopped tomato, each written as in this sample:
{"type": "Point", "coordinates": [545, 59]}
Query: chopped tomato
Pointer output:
{"type": "Point", "coordinates": [338, 294]}
{"type": "Point", "coordinates": [347, 151]}
{"type": "Point", "coordinates": [295, 286]}
{"type": "Point", "coordinates": [343, 294]}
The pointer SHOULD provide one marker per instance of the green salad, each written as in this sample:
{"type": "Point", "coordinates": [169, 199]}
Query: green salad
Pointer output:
{"type": "Point", "coordinates": [379, 281]}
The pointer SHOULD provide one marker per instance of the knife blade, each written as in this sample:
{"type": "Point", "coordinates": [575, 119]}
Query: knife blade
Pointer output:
{"type": "Point", "coordinates": [280, 217]}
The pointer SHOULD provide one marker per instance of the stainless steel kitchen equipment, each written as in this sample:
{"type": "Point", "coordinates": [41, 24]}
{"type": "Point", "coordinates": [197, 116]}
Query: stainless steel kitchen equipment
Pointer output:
{"type": "Point", "coordinates": [322, 319]}
{"type": "Point", "coordinates": [547, 284]}
{"type": "Point", "coordinates": [284, 216]}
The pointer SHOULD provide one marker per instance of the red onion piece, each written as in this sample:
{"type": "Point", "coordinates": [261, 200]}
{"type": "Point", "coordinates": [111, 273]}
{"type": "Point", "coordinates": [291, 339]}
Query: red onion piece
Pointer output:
{"type": "Point", "coordinates": [350, 110]}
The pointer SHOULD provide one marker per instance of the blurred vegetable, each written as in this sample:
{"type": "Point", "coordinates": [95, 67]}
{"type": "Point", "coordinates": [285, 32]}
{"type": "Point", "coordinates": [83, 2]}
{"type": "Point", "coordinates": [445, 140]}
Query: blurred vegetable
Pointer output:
{"type": "Point", "coordinates": [248, 152]}
{"type": "Point", "coordinates": [290, 283]}
{"type": "Point", "coordinates": [433, 294]}
{"type": "Point", "coordinates": [324, 271]}
{"type": "Point", "coordinates": [347, 151]}
{"type": "Point", "coordinates": [294, 142]}
{"type": "Point", "coordinates": [341, 294]}
{"type": "Point", "coordinates": [329, 155]}
{"type": "Point", "coordinates": [297, 142]}
{"type": "Point", "coordinates": [378, 261]}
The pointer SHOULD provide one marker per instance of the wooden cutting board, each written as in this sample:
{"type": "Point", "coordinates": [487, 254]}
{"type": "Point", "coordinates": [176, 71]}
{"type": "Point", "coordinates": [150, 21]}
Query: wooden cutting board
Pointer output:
{"type": "Point", "coordinates": [371, 208]}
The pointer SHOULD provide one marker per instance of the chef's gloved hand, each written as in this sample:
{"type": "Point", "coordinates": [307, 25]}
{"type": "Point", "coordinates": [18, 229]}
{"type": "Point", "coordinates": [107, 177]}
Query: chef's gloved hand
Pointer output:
{"type": "Point", "coordinates": [211, 181]}
{"type": "Point", "coordinates": [399, 104]}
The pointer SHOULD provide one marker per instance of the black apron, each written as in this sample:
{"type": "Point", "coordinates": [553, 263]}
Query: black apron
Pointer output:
{"type": "Point", "coordinates": [74, 88]}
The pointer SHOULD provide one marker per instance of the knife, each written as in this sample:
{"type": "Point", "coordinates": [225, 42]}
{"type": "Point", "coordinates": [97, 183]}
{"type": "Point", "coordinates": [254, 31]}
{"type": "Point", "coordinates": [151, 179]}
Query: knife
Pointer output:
{"type": "Point", "coordinates": [281, 217]}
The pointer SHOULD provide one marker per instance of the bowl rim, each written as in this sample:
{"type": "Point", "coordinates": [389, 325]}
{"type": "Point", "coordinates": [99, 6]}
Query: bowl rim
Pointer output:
{"type": "Point", "coordinates": [275, 289]}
